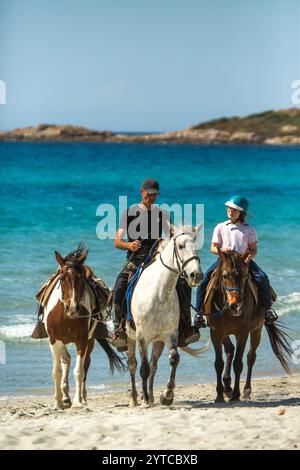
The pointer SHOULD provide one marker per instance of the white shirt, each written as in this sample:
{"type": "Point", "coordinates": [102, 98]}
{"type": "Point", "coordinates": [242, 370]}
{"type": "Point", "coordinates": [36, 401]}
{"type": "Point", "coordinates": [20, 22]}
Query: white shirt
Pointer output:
{"type": "Point", "coordinates": [233, 236]}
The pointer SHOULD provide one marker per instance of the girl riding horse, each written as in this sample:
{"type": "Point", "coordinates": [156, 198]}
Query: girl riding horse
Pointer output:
{"type": "Point", "coordinates": [236, 235]}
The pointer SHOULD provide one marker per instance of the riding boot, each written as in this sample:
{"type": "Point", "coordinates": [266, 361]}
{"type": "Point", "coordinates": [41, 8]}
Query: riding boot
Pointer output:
{"type": "Point", "coordinates": [119, 337]}
{"type": "Point", "coordinates": [199, 320]}
{"type": "Point", "coordinates": [187, 333]}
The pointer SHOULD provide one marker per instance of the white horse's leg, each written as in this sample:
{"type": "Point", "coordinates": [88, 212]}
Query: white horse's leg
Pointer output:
{"type": "Point", "coordinates": [158, 347]}
{"type": "Point", "coordinates": [65, 364]}
{"type": "Point", "coordinates": [79, 376]}
{"type": "Point", "coordinates": [132, 364]}
{"type": "Point", "coordinates": [57, 372]}
{"type": "Point", "coordinates": [144, 370]}
{"type": "Point", "coordinates": [167, 396]}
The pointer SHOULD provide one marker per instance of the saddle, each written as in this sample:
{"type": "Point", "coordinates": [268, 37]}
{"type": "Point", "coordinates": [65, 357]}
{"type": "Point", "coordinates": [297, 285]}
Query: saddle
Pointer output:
{"type": "Point", "coordinates": [213, 286]}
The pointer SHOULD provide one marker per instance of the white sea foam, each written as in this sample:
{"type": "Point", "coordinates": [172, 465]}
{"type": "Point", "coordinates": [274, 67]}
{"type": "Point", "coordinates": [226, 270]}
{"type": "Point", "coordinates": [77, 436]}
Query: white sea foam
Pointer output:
{"type": "Point", "coordinates": [97, 387]}
{"type": "Point", "coordinates": [20, 331]}
{"type": "Point", "coordinates": [288, 304]}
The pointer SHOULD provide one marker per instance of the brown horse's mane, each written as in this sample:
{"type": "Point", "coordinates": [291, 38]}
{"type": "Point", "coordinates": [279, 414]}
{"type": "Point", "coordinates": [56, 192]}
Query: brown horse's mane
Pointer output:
{"type": "Point", "coordinates": [235, 258]}
{"type": "Point", "coordinates": [73, 257]}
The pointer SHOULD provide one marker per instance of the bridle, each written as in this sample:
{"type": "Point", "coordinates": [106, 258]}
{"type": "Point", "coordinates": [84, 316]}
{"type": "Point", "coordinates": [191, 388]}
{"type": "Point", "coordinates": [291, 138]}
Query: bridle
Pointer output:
{"type": "Point", "coordinates": [78, 268]}
{"type": "Point", "coordinates": [180, 264]}
{"type": "Point", "coordinates": [95, 316]}
{"type": "Point", "coordinates": [226, 289]}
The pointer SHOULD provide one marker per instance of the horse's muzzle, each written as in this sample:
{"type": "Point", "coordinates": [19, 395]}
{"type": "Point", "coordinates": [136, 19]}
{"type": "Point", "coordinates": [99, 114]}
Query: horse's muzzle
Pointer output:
{"type": "Point", "coordinates": [72, 312]}
{"type": "Point", "coordinates": [196, 278]}
{"type": "Point", "coordinates": [235, 309]}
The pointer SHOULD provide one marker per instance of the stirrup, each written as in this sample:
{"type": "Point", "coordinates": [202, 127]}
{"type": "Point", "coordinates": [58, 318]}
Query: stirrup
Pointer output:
{"type": "Point", "coordinates": [270, 316]}
{"type": "Point", "coordinates": [200, 321]}
{"type": "Point", "coordinates": [119, 340]}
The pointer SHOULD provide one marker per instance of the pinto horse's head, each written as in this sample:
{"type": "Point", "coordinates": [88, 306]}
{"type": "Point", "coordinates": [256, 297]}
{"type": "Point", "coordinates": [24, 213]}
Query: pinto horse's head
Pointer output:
{"type": "Point", "coordinates": [72, 277]}
{"type": "Point", "coordinates": [234, 272]}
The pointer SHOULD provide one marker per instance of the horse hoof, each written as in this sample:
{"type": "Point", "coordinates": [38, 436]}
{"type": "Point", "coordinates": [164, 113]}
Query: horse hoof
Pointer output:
{"type": "Point", "coordinates": [165, 401]}
{"type": "Point", "coordinates": [247, 395]}
{"type": "Point", "coordinates": [58, 406]}
{"type": "Point", "coordinates": [228, 394]}
{"type": "Point", "coordinates": [78, 404]}
{"type": "Point", "coordinates": [133, 403]}
{"type": "Point", "coordinates": [220, 399]}
{"type": "Point", "coordinates": [67, 402]}
{"type": "Point", "coordinates": [145, 404]}
{"type": "Point", "coordinates": [235, 399]}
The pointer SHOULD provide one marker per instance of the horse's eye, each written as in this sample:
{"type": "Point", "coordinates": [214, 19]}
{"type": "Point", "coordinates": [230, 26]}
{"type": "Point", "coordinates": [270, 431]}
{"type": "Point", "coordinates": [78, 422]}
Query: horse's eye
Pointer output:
{"type": "Point", "coordinates": [225, 276]}
{"type": "Point", "coordinates": [180, 247]}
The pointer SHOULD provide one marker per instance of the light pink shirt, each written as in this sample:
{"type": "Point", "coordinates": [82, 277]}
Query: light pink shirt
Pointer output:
{"type": "Point", "coordinates": [235, 237]}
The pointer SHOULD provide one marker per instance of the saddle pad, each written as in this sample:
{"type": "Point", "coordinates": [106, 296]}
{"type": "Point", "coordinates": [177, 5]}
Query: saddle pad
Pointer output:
{"type": "Point", "coordinates": [253, 288]}
{"type": "Point", "coordinates": [210, 290]}
{"type": "Point", "coordinates": [46, 290]}
{"type": "Point", "coordinates": [130, 289]}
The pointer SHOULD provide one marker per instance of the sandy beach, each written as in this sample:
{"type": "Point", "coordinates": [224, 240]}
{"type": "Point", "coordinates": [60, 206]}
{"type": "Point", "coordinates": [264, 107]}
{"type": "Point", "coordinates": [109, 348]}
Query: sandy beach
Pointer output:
{"type": "Point", "coordinates": [271, 420]}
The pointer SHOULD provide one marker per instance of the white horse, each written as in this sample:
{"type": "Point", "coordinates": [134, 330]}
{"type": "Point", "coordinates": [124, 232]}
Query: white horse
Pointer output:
{"type": "Point", "coordinates": [155, 311]}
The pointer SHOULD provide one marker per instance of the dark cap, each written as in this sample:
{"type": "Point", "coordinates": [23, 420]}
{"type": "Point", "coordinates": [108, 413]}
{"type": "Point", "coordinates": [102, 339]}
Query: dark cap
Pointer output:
{"type": "Point", "coordinates": [151, 186]}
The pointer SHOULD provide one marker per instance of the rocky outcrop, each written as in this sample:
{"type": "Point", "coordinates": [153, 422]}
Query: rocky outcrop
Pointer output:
{"type": "Point", "coordinates": [281, 127]}
{"type": "Point", "coordinates": [50, 132]}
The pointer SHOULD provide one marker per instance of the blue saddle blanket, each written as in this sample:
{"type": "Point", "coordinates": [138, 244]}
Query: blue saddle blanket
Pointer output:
{"type": "Point", "coordinates": [130, 289]}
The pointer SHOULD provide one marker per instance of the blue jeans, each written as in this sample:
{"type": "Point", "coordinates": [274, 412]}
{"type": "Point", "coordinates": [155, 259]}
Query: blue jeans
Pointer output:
{"type": "Point", "coordinates": [259, 276]}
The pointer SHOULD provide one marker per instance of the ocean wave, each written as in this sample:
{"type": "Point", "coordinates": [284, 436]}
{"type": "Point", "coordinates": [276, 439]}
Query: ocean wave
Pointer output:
{"type": "Point", "coordinates": [17, 332]}
{"type": "Point", "coordinates": [22, 331]}
{"type": "Point", "coordinates": [288, 304]}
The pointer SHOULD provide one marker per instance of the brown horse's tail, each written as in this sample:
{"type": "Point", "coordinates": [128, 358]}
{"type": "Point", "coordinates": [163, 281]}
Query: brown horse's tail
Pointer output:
{"type": "Point", "coordinates": [280, 345]}
{"type": "Point", "coordinates": [114, 359]}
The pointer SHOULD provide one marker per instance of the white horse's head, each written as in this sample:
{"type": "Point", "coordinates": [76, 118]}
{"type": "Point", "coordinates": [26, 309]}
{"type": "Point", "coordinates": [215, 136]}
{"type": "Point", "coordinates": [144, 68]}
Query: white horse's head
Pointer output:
{"type": "Point", "coordinates": [183, 246]}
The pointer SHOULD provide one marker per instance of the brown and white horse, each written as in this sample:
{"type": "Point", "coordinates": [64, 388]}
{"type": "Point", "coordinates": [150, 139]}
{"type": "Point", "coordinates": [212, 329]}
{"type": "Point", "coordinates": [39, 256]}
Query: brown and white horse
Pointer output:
{"type": "Point", "coordinates": [238, 314]}
{"type": "Point", "coordinates": [67, 319]}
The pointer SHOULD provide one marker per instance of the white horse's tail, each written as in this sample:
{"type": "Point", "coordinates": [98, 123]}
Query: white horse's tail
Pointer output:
{"type": "Point", "coordinates": [196, 352]}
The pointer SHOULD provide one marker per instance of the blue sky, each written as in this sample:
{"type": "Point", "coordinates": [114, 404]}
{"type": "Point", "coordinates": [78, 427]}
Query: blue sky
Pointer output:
{"type": "Point", "coordinates": [141, 65]}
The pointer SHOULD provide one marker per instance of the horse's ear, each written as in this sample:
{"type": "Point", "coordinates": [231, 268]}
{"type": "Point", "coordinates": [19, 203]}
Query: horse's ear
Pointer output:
{"type": "Point", "coordinates": [198, 228]}
{"type": "Point", "coordinates": [244, 256]}
{"type": "Point", "coordinates": [83, 257]}
{"type": "Point", "coordinates": [59, 259]}
{"type": "Point", "coordinates": [221, 254]}
{"type": "Point", "coordinates": [172, 230]}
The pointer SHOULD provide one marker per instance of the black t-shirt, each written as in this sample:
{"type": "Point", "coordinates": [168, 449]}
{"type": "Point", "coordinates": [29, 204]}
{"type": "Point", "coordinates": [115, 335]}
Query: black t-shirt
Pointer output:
{"type": "Point", "coordinates": [144, 225]}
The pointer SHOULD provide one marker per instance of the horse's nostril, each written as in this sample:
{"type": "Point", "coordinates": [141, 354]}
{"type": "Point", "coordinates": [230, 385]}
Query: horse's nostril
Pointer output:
{"type": "Point", "coordinates": [196, 276]}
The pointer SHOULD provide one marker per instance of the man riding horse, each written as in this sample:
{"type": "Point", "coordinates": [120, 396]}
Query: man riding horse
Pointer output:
{"type": "Point", "coordinates": [144, 224]}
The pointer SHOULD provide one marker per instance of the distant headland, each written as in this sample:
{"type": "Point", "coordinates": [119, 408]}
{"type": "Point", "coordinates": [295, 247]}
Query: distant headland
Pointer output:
{"type": "Point", "coordinates": [280, 127]}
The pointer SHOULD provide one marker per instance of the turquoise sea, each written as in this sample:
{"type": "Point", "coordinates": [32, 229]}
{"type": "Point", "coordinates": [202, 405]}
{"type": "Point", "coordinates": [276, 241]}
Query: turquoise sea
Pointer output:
{"type": "Point", "coordinates": [49, 194]}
